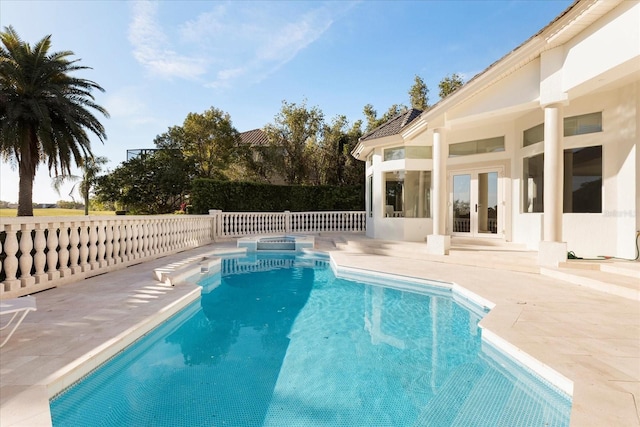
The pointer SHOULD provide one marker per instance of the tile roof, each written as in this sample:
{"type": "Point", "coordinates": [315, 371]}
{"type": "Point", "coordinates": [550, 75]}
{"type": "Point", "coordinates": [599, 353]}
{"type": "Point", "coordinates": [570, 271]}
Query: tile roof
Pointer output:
{"type": "Point", "coordinates": [254, 137]}
{"type": "Point", "coordinates": [393, 126]}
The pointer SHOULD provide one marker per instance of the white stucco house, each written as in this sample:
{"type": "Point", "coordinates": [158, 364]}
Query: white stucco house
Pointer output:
{"type": "Point", "coordinates": [541, 148]}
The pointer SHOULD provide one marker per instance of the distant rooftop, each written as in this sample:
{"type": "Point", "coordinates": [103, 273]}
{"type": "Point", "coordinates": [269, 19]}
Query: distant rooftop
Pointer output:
{"type": "Point", "coordinates": [394, 125]}
{"type": "Point", "coordinates": [254, 137]}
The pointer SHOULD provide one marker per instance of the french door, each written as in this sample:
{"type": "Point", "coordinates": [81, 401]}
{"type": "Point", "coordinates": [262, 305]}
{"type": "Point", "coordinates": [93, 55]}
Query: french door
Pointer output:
{"type": "Point", "coordinates": [476, 203]}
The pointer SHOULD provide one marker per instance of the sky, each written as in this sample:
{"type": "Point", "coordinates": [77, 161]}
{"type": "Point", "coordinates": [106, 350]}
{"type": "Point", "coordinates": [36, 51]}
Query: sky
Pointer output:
{"type": "Point", "coordinates": [159, 61]}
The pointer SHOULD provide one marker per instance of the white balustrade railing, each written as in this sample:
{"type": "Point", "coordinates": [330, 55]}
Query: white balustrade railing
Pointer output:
{"type": "Point", "coordinates": [463, 225]}
{"type": "Point", "coordinates": [238, 224]}
{"type": "Point", "coordinates": [38, 253]}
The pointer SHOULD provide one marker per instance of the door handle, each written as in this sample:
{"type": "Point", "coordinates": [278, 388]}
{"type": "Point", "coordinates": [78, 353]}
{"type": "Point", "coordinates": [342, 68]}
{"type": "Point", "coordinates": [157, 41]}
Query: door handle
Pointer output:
{"type": "Point", "coordinates": [476, 207]}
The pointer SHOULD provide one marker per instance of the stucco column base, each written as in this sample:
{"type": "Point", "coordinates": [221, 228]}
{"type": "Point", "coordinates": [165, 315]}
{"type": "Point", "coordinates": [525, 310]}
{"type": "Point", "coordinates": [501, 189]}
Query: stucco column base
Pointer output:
{"type": "Point", "coordinates": [438, 244]}
{"type": "Point", "coordinates": [550, 254]}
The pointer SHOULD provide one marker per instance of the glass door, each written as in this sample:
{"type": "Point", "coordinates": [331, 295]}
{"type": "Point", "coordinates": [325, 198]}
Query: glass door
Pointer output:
{"type": "Point", "coordinates": [486, 207]}
{"type": "Point", "coordinates": [461, 203]}
{"type": "Point", "coordinates": [476, 201]}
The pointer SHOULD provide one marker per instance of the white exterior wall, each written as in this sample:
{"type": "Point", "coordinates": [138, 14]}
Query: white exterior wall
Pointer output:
{"type": "Point", "coordinates": [604, 50]}
{"type": "Point", "coordinates": [611, 232]}
{"type": "Point", "coordinates": [598, 70]}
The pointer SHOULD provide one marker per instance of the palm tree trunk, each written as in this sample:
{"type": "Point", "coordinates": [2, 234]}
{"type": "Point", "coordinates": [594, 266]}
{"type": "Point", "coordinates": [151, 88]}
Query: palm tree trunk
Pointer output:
{"type": "Point", "coordinates": [27, 165]}
{"type": "Point", "coordinates": [85, 196]}
{"type": "Point", "coordinates": [25, 191]}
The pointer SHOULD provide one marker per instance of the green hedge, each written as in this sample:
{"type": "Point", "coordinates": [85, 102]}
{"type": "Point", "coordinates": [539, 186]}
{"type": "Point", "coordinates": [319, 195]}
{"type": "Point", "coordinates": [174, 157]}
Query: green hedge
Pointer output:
{"type": "Point", "coordinates": [232, 196]}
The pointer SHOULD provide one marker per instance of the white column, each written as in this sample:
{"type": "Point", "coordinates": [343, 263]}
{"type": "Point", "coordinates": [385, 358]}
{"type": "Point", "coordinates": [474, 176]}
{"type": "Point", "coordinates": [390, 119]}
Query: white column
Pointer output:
{"type": "Point", "coordinates": [438, 242]}
{"type": "Point", "coordinates": [552, 250]}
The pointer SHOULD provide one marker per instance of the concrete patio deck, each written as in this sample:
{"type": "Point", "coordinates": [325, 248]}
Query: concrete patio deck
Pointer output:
{"type": "Point", "coordinates": [586, 334]}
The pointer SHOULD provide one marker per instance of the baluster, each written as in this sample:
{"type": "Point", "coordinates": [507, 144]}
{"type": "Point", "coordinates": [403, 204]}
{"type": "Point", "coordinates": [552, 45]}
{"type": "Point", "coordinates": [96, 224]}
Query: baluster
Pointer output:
{"type": "Point", "coordinates": [102, 249]}
{"type": "Point", "coordinates": [149, 237]}
{"type": "Point", "coordinates": [26, 260]}
{"type": "Point", "coordinates": [117, 259]}
{"type": "Point", "coordinates": [188, 232]}
{"type": "Point", "coordinates": [11, 261]}
{"type": "Point", "coordinates": [173, 224]}
{"type": "Point", "coordinates": [93, 245]}
{"type": "Point", "coordinates": [52, 256]}
{"type": "Point", "coordinates": [170, 235]}
{"type": "Point", "coordinates": [123, 241]}
{"type": "Point", "coordinates": [153, 233]}
{"type": "Point", "coordinates": [108, 255]}
{"type": "Point", "coordinates": [161, 237]}
{"type": "Point", "coordinates": [39, 258]}
{"type": "Point", "coordinates": [175, 234]}
{"type": "Point", "coordinates": [134, 240]}
{"type": "Point", "coordinates": [175, 231]}
{"type": "Point", "coordinates": [166, 233]}
{"type": "Point", "coordinates": [128, 254]}
{"type": "Point", "coordinates": [84, 247]}
{"type": "Point", "coordinates": [63, 252]}
{"type": "Point", "coordinates": [144, 242]}
{"type": "Point", "coordinates": [74, 252]}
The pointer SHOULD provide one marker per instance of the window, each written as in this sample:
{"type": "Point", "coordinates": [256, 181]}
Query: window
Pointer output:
{"type": "Point", "coordinates": [412, 152]}
{"type": "Point", "coordinates": [394, 153]}
{"type": "Point", "coordinates": [532, 180]}
{"type": "Point", "coordinates": [370, 159]}
{"type": "Point", "coordinates": [533, 135]}
{"type": "Point", "coordinates": [489, 145]}
{"type": "Point", "coordinates": [579, 125]}
{"type": "Point", "coordinates": [575, 125]}
{"type": "Point", "coordinates": [408, 194]}
{"type": "Point", "coordinates": [419, 152]}
{"type": "Point", "coordinates": [582, 181]}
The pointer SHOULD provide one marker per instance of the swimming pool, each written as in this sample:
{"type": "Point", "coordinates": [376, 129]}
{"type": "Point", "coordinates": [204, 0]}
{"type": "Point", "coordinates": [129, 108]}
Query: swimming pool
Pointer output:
{"type": "Point", "coordinates": [278, 340]}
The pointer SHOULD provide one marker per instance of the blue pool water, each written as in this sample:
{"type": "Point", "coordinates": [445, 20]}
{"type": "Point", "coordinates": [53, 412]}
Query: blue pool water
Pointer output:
{"type": "Point", "coordinates": [280, 341]}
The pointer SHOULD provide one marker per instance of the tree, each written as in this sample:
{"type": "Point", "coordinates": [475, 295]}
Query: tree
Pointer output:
{"type": "Point", "coordinates": [91, 167]}
{"type": "Point", "coordinates": [450, 84]}
{"type": "Point", "coordinates": [210, 141]}
{"type": "Point", "coordinates": [419, 94]}
{"type": "Point", "coordinates": [148, 184]}
{"type": "Point", "coordinates": [336, 166]}
{"type": "Point", "coordinates": [353, 168]}
{"type": "Point", "coordinates": [45, 112]}
{"type": "Point", "coordinates": [294, 133]}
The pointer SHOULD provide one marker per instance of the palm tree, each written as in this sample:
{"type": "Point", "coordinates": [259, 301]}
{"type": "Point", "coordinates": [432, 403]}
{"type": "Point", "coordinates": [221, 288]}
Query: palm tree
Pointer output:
{"type": "Point", "coordinates": [91, 167]}
{"type": "Point", "coordinates": [44, 111]}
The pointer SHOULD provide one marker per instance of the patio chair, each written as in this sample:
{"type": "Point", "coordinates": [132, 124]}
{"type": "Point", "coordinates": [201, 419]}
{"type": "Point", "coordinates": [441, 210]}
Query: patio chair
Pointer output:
{"type": "Point", "coordinates": [19, 307]}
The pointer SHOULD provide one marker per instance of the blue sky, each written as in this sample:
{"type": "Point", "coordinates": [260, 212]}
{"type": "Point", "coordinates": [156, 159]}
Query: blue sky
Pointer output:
{"type": "Point", "coordinates": [159, 61]}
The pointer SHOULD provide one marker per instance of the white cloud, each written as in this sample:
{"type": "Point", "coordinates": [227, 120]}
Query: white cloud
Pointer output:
{"type": "Point", "coordinates": [149, 41]}
{"type": "Point", "coordinates": [206, 25]}
{"type": "Point", "coordinates": [231, 42]}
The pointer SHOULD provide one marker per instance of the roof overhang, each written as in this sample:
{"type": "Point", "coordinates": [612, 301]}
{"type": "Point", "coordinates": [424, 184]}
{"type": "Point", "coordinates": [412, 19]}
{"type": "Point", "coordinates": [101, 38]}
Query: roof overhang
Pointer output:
{"type": "Point", "coordinates": [362, 150]}
{"type": "Point", "coordinates": [571, 22]}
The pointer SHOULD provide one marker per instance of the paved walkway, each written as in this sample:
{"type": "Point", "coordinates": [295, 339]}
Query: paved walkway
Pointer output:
{"type": "Point", "coordinates": [590, 337]}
